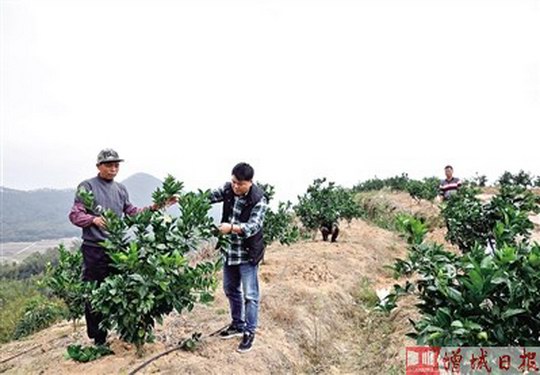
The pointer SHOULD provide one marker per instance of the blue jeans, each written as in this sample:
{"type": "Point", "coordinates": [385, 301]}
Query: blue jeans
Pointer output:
{"type": "Point", "coordinates": [241, 286]}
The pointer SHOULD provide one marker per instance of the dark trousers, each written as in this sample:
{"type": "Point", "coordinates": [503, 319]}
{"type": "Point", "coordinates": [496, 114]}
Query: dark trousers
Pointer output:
{"type": "Point", "coordinates": [96, 267]}
{"type": "Point", "coordinates": [328, 230]}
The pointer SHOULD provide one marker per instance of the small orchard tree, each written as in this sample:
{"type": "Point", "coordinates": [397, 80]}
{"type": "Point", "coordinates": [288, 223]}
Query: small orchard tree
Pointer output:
{"type": "Point", "coordinates": [471, 299]}
{"type": "Point", "coordinates": [151, 256]}
{"type": "Point", "coordinates": [521, 178]}
{"type": "Point", "coordinates": [65, 282]}
{"type": "Point", "coordinates": [156, 264]}
{"type": "Point", "coordinates": [348, 207]}
{"type": "Point", "coordinates": [427, 189]}
{"type": "Point", "coordinates": [478, 180]}
{"type": "Point", "coordinates": [318, 205]}
{"type": "Point", "coordinates": [470, 222]}
{"type": "Point", "coordinates": [396, 183]}
{"type": "Point", "coordinates": [268, 190]}
{"type": "Point", "coordinates": [279, 225]}
{"type": "Point", "coordinates": [325, 204]}
{"type": "Point", "coordinates": [465, 217]}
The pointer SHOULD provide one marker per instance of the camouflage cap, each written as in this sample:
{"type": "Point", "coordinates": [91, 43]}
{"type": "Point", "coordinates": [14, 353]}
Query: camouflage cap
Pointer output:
{"type": "Point", "coordinates": [108, 155]}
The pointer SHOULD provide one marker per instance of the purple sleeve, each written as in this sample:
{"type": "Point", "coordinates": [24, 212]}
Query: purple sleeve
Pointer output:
{"type": "Point", "coordinates": [79, 217]}
{"type": "Point", "coordinates": [131, 210]}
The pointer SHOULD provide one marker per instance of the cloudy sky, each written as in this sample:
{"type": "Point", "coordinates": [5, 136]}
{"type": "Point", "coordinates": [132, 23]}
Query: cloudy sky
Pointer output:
{"type": "Point", "coordinates": [299, 89]}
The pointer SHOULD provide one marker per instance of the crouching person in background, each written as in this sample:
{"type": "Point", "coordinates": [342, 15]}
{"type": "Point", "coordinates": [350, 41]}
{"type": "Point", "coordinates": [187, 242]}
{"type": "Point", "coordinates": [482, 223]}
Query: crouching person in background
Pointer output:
{"type": "Point", "coordinates": [330, 229]}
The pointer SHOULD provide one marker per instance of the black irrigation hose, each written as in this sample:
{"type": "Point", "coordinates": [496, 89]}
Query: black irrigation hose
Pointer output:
{"type": "Point", "coordinates": [30, 349]}
{"type": "Point", "coordinates": [19, 354]}
{"type": "Point", "coordinates": [177, 347]}
{"type": "Point", "coordinates": [154, 358]}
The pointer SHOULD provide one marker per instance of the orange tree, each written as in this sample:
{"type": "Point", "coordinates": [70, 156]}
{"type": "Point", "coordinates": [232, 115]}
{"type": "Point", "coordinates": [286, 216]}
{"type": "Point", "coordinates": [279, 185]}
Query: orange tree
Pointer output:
{"type": "Point", "coordinates": [152, 254]}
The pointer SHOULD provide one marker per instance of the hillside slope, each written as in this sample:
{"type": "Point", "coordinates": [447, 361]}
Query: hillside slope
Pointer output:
{"type": "Point", "coordinates": [314, 317]}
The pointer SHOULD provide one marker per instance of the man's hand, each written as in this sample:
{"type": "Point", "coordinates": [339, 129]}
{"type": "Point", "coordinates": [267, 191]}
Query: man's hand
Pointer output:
{"type": "Point", "coordinates": [228, 228]}
{"type": "Point", "coordinates": [99, 221]}
{"type": "Point", "coordinates": [225, 228]}
{"type": "Point", "coordinates": [169, 203]}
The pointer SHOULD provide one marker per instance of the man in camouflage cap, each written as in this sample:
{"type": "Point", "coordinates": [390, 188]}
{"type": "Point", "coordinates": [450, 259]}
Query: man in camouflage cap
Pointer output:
{"type": "Point", "coordinates": [108, 155]}
{"type": "Point", "coordinates": [108, 194]}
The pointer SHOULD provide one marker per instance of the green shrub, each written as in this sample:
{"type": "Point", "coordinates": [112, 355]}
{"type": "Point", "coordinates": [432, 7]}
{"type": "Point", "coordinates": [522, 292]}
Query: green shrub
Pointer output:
{"type": "Point", "coordinates": [33, 265]}
{"type": "Point", "coordinates": [14, 295]}
{"type": "Point", "coordinates": [65, 282]}
{"type": "Point", "coordinates": [478, 180]}
{"type": "Point", "coordinates": [154, 275]}
{"type": "Point", "coordinates": [427, 189]}
{"type": "Point", "coordinates": [39, 313]}
{"type": "Point", "coordinates": [470, 222]}
{"type": "Point", "coordinates": [474, 299]}
{"type": "Point", "coordinates": [87, 353]}
{"type": "Point", "coordinates": [324, 204]}
{"type": "Point", "coordinates": [280, 225]}
{"type": "Point", "coordinates": [521, 178]}
{"type": "Point", "coordinates": [396, 183]}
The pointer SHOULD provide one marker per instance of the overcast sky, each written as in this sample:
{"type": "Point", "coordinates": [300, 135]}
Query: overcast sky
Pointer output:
{"type": "Point", "coordinates": [299, 89]}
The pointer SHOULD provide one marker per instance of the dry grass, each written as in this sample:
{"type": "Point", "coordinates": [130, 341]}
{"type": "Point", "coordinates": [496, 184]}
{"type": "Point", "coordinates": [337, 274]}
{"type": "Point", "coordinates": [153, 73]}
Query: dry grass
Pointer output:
{"type": "Point", "coordinates": [383, 206]}
{"type": "Point", "coordinates": [316, 317]}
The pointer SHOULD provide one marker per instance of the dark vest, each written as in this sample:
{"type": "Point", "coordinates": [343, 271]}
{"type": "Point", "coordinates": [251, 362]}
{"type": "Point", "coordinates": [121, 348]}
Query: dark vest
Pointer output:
{"type": "Point", "coordinates": [254, 245]}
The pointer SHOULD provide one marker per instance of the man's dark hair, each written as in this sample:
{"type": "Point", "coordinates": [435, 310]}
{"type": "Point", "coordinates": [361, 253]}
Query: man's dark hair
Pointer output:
{"type": "Point", "coordinates": [449, 167]}
{"type": "Point", "coordinates": [243, 172]}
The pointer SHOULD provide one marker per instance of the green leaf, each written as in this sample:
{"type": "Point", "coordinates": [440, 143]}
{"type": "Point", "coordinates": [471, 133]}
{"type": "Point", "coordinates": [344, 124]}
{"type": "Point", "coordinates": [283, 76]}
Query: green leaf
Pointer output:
{"type": "Point", "coordinates": [512, 312]}
{"type": "Point", "coordinates": [482, 336]}
{"type": "Point", "coordinates": [499, 280]}
{"type": "Point", "coordinates": [455, 294]}
{"type": "Point", "coordinates": [87, 354]}
{"type": "Point", "coordinates": [206, 298]}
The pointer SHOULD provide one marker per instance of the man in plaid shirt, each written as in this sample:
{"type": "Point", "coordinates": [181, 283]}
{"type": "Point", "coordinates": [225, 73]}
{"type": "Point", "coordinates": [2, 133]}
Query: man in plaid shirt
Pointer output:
{"type": "Point", "coordinates": [244, 207]}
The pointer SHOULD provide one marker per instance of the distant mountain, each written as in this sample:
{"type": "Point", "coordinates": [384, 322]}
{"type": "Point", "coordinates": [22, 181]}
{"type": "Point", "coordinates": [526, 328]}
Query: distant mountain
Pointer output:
{"type": "Point", "coordinates": [140, 187]}
{"type": "Point", "coordinates": [35, 215]}
{"type": "Point", "coordinates": [43, 214]}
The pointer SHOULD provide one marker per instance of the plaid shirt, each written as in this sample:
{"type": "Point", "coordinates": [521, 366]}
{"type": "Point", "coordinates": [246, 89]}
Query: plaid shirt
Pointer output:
{"type": "Point", "coordinates": [236, 254]}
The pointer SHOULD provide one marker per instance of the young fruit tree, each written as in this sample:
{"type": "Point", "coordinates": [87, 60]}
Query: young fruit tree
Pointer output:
{"type": "Point", "coordinates": [157, 264]}
{"type": "Point", "coordinates": [65, 282]}
{"type": "Point", "coordinates": [427, 189]}
{"type": "Point", "coordinates": [470, 221]}
{"type": "Point", "coordinates": [279, 225]}
{"type": "Point", "coordinates": [483, 296]}
{"type": "Point", "coordinates": [325, 204]}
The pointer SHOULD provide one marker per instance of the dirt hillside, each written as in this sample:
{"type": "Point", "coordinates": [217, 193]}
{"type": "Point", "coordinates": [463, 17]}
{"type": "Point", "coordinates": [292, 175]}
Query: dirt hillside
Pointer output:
{"type": "Point", "coordinates": [316, 315]}
{"type": "Point", "coordinates": [313, 318]}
